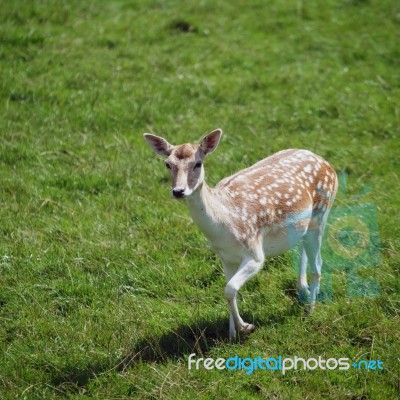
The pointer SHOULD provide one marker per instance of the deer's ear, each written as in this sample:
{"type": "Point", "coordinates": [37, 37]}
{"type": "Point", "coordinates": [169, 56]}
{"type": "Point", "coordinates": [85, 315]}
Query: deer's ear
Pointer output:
{"type": "Point", "coordinates": [158, 144]}
{"type": "Point", "coordinates": [210, 141]}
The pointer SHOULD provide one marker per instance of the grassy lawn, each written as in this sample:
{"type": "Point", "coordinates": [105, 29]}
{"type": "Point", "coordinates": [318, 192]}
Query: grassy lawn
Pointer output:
{"type": "Point", "coordinates": [106, 285]}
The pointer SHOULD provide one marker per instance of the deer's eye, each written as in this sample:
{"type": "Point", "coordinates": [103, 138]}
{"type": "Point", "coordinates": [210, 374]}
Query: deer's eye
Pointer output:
{"type": "Point", "coordinates": [198, 165]}
{"type": "Point", "coordinates": [167, 165]}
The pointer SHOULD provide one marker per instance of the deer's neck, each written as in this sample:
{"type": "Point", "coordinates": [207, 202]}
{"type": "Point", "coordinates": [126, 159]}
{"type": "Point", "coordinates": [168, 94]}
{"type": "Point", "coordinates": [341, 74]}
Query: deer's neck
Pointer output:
{"type": "Point", "coordinates": [207, 209]}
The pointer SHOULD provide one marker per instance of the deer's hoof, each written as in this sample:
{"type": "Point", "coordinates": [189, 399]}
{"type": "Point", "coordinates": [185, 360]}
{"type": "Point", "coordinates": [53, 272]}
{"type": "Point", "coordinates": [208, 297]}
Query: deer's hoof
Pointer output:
{"type": "Point", "coordinates": [247, 329]}
{"type": "Point", "coordinates": [310, 308]}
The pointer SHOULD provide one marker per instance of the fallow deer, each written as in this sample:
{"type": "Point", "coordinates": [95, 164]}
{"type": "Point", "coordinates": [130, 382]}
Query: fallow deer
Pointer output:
{"type": "Point", "coordinates": [261, 211]}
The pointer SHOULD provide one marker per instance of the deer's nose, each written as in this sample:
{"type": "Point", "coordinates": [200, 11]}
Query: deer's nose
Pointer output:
{"type": "Point", "coordinates": [178, 192]}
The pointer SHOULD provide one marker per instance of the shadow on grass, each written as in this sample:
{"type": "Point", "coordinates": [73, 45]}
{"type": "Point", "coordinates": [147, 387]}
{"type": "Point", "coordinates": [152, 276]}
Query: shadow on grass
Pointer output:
{"type": "Point", "coordinates": [198, 338]}
{"type": "Point", "coordinates": [185, 339]}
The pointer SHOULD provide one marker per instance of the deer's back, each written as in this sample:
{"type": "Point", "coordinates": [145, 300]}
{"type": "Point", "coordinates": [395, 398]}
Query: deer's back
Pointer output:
{"type": "Point", "coordinates": [268, 192]}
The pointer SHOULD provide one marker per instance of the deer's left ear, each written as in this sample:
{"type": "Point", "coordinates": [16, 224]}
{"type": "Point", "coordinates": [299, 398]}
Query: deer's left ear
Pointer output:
{"type": "Point", "coordinates": [158, 144]}
{"type": "Point", "coordinates": [210, 141]}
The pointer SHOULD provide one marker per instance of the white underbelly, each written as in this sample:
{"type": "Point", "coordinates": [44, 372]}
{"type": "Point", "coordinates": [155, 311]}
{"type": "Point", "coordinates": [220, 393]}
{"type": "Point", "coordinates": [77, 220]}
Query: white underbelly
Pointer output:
{"type": "Point", "coordinates": [275, 242]}
{"type": "Point", "coordinates": [274, 245]}
{"type": "Point", "coordinates": [278, 240]}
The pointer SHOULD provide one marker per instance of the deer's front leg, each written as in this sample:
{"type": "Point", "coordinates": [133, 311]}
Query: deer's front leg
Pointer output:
{"type": "Point", "coordinates": [229, 270]}
{"type": "Point", "coordinates": [248, 268]}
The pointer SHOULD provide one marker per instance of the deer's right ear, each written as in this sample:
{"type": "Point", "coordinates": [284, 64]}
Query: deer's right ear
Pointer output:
{"type": "Point", "coordinates": [158, 144]}
{"type": "Point", "coordinates": [210, 141]}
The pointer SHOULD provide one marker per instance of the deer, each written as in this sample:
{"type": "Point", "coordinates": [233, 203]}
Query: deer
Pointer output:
{"type": "Point", "coordinates": [259, 212]}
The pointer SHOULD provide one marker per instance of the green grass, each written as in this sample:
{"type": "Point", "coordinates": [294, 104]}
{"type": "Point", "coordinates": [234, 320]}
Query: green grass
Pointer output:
{"type": "Point", "coordinates": [105, 283]}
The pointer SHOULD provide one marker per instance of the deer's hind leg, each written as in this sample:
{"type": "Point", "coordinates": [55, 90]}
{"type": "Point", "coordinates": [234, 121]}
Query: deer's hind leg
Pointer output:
{"type": "Point", "coordinates": [312, 242]}
{"type": "Point", "coordinates": [302, 285]}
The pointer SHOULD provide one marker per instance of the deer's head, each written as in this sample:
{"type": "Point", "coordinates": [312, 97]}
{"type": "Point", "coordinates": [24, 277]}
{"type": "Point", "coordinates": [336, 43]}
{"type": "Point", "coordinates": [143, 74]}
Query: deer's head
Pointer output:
{"type": "Point", "coordinates": [185, 161]}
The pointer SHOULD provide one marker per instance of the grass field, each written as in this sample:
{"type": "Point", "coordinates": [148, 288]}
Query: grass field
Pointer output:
{"type": "Point", "coordinates": [106, 285]}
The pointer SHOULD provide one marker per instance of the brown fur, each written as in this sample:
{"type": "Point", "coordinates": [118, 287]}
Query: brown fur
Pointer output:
{"type": "Point", "coordinates": [184, 151]}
